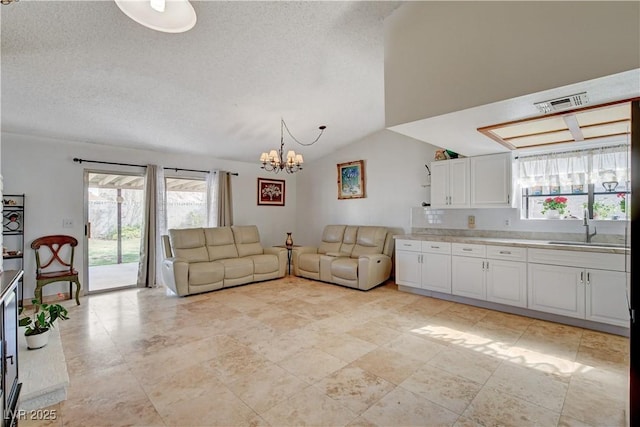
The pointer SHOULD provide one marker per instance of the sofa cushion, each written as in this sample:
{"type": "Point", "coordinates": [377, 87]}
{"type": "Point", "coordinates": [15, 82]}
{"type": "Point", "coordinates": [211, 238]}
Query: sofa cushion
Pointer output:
{"type": "Point", "coordinates": [331, 239]}
{"type": "Point", "coordinates": [205, 273]}
{"type": "Point", "coordinates": [309, 262]}
{"type": "Point", "coordinates": [345, 268]}
{"type": "Point", "coordinates": [265, 263]}
{"type": "Point", "coordinates": [247, 240]}
{"type": "Point", "coordinates": [220, 243]}
{"type": "Point", "coordinates": [370, 240]}
{"type": "Point", "coordinates": [235, 268]}
{"type": "Point", "coordinates": [349, 239]}
{"type": "Point", "coordinates": [189, 244]}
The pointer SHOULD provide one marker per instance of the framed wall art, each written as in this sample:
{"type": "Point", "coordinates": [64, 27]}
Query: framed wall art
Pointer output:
{"type": "Point", "coordinates": [351, 180]}
{"type": "Point", "coordinates": [271, 192]}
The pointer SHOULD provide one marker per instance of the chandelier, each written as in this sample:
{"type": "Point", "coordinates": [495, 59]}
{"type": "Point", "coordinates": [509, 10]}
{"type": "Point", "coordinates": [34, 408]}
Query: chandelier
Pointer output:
{"type": "Point", "coordinates": [274, 161]}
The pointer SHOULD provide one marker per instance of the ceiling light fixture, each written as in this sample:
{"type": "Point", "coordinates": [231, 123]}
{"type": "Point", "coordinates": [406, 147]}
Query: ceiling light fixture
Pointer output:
{"type": "Point", "coordinates": [274, 161]}
{"type": "Point", "coordinates": [168, 16]}
{"type": "Point", "coordinates": [8, 1]}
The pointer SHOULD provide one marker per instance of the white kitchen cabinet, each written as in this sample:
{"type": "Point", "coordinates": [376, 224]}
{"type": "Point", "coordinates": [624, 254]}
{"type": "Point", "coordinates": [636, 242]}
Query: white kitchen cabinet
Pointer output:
{"type": "Point", "coordinates": [576, 290]}
{"type": "Point", "coordinates": [450, 183]}
{"type": "Point", "coordinates": [468, 277]}
{"type": "Point", "coordinates": [606, 297]}
{"type": "Point", "coordinates": [436, 266]}
{"type": "Point", "coordinates": [507, 282]}
{"type": "Point", "coordinates": [557, 289]}
{"type": "Point", "coordinates": [490, 181]}
{"type": "Point", "coordinates": [425, 265]}
{"type": "Point", "coordinates": [408, 263]}
{"type": "Point", "coordinates": [506, 271]}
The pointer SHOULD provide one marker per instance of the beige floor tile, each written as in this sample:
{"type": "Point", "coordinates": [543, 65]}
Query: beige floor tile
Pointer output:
{"type": "Point", "coordinates": [530, 385]}
{"type": "Point", "coordinates": [472, 365]}
{"type": "Point", "coordinates": [311, 364]}
{"type": "Point", "coordinates": [442, 388]}
{"type": "Point", "coordinates": [183, 356]}
{"type": "Point", "coordinates": [389, 365]}
{"type": "Point", "coordinates": [355, 388]}
{"type": "Point", "coordinates": [344, 346]}
{"type": "Point", "coordinates": [310, 407]}
{"type": "Point", "coordinates": [374, 333]}
{"type": "Point", "coordinates": [587, 402]}
{"type": "Point", "coordinates": [266, 387]}
{"type": "Point", "coordinates": [400, 407]}
{"type": "Point", "coordinates": [492, 407]}
{"type": "Point", "coordinates": [416, 347]}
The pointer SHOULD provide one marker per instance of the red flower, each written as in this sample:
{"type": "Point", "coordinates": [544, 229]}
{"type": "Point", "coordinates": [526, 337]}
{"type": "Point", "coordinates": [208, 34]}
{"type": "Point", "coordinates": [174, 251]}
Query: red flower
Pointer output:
{"type": "Point", "coordinates": [548, 200]}
{"type": "Point", "coordinates": [622, 195]}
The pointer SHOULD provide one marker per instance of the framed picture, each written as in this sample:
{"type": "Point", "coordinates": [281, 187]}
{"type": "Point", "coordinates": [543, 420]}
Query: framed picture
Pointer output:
{"type": "Point", "coordinates": [351, 180]}
{"type": "Point", "coordinates": [270, 192]}
{"type": "Point", "coordinates": [579, 188]}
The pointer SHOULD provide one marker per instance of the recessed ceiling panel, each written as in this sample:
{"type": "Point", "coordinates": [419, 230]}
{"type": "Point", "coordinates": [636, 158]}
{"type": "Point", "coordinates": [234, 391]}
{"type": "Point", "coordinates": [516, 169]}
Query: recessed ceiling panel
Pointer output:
{"type": "Point", "coordinates": [531, 128]}
{"type": "Point", "coordinates": [610, 129]}
{"type": "Point", "coordinates": [604, 115]}
{"type": "Point", "coordinates": [542, 139]}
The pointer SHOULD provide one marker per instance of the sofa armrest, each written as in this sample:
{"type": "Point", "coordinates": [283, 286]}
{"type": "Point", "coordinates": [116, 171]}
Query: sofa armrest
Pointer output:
{"type": "Point", "coordinates": [282, 255]}
{"type": "Point", "coordinates": [175, 272]}
{"type": "Point", "coordinates": [372, 270]}
{"type": "Point", "coordinates": [296, 252]}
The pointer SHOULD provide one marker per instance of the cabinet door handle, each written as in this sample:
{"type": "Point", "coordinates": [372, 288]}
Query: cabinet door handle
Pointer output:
{"type": "Point", "coordinates": [435, 247]}
{"type": "Point", "coordinates": [588, 278]}
{"type": "Point", "coordinates": [505, 252]}
{"type": "Point", "coordinates": [467, 249]}
{"type": "Point", "coordinates": [407, 244]}
{"type": "Point", "coordinates": [582, 277]}
{"type": "Point", "coordinates": [483, 265]}
{"type": "Point", "coordinates": [487, 265]}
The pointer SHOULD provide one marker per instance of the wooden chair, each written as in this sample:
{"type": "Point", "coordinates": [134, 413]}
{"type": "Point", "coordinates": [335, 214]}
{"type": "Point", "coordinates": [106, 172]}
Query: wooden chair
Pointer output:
{"type": "Point", "coordinates": [55, 269]}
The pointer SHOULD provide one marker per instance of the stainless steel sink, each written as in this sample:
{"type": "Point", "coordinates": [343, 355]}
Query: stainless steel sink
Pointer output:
{"type": "Point", "coordinates": [605, 245]}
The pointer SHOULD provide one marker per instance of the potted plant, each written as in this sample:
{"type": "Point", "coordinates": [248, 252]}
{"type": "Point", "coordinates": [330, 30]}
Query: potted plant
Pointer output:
{"type": "Point", "coordinates": [38, 325]}
{"type": "Point", "coordinates": [554, 206]}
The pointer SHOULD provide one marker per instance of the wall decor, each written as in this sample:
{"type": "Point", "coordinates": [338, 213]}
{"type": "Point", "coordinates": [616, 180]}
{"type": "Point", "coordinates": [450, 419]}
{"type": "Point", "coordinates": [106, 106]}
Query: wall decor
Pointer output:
{"type": "Point", "coordinates": [270, 192]}
{"type": "Point", "coordinates": [351, 180]}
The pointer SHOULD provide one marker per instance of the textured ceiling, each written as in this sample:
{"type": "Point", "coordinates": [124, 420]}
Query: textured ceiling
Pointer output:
{"type": "Point", "coordinates": [86, 72]}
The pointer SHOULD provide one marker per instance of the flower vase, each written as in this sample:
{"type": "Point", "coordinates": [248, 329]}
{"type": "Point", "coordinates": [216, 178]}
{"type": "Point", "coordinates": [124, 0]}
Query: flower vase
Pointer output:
{"type": "Point", "coordinates": [552, 214]}
{"type": "Point", "coordinates": [289, 242]}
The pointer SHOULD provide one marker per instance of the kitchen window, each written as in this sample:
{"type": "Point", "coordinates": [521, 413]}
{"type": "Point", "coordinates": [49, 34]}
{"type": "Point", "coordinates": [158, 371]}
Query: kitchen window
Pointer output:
{"type": "Point", "coordinates": [563, 185]}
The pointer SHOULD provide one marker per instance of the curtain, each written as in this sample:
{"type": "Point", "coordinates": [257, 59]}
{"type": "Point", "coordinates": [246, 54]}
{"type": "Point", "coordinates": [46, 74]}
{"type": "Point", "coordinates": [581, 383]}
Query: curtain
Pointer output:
{"type": "Point", "coordinates": [154, 226]}
{"type": "Point", "coordinates": [575, 167]}
{"type": "Point", "coordinates": [222, 199]}
{"type": "Point", "coordinates": [212, 204]}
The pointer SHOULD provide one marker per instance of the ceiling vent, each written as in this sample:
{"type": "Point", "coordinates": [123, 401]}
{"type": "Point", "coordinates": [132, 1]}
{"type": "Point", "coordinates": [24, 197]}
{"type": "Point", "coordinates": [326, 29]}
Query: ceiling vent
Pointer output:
{"type": "Point", "coordinates": [559, 104]}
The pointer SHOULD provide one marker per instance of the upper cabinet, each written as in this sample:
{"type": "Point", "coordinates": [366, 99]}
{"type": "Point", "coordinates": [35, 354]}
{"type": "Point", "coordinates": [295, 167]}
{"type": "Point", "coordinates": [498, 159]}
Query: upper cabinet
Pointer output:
{"type": "Point", "coordinates": [450, 183]}
{"type": "Point", "coordinates": [491, 182]}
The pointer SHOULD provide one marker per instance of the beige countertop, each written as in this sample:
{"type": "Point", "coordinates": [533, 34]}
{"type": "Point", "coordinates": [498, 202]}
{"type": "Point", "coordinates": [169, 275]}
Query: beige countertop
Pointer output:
{"type": "Point", "coordinates": [539, 244]}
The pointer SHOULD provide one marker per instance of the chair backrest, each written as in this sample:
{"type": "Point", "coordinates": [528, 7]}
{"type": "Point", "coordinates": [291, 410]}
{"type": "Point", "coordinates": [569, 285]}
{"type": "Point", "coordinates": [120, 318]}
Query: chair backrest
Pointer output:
{"type": "Point", "coordinates": [58, 256]}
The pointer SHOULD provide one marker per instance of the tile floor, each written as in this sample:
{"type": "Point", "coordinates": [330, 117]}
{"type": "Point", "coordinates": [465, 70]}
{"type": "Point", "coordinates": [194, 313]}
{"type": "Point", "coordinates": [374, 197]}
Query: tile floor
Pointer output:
{"type": "Point", "coordinates": [294, 352]}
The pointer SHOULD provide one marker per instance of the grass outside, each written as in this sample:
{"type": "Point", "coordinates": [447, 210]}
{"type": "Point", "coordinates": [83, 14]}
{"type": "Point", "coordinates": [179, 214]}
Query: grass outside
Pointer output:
{"type": "Point", "coordinates": [104, 252]}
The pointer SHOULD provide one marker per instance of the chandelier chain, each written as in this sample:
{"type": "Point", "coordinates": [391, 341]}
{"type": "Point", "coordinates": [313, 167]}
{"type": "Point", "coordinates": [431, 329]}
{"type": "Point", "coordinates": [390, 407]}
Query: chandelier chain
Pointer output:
{"type": "Point", "coordinates": [284, 124]}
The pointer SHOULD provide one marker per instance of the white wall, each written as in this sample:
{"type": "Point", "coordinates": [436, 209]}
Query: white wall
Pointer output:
{"type": "Point", "coordinates": [394, 175]}
{"type": "Point", "coordinates": [443, 56]}
{"type": "Point", "coordinates": [44, 170]}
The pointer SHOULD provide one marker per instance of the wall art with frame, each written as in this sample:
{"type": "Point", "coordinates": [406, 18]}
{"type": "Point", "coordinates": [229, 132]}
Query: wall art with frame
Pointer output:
{"type": "Point", "coordinates": [351, 180]}
{"type": "Point", "coordinates": [271, 192]}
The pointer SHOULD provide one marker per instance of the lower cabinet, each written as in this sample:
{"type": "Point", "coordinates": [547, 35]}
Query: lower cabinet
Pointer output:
{"type": "Point", "coordinates": [468, 277]}
{"type": "Point", "coordinates": [507, 282]}
{"type": "Point", "coordinates": [591, 294]}
{"type": "Point", "coordinates": [425, 265]}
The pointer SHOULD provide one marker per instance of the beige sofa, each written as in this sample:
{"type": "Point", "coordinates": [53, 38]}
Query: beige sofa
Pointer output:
{"type": "Point", "coordinates": [349, 255]}
{"type": "Point", "coordinates": [205, 259]}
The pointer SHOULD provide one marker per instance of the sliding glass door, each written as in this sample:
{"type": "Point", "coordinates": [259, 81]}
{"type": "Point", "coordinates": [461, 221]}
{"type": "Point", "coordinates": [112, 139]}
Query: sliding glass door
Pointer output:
{"type": "Point", "coordinates": [114, 209]}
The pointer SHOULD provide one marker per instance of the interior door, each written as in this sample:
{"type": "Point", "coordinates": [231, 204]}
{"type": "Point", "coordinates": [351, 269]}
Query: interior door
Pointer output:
{"type": "Point", "coordinates": [114, 205]}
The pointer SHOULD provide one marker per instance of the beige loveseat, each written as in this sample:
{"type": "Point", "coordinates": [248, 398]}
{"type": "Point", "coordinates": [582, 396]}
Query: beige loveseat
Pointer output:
{"type": "Point", "coordinates": [205, 259]}
{"type": "Point", "coordinates": [349, 255]}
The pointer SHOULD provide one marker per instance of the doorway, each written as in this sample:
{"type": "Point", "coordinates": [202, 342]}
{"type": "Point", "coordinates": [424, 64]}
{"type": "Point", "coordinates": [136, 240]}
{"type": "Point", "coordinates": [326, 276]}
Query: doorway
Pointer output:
{"type": "Point", "coordinates": [114, 205]}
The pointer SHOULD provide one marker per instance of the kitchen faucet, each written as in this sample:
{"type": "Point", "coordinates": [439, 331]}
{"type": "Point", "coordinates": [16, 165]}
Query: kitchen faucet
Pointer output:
{"type": "Point", "coordinates": [585, 222]}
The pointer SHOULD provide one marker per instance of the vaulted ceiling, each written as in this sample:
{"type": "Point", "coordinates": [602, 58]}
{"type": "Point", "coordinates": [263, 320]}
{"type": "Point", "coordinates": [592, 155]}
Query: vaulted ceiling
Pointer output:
{"type": "Point", "coordinates": [83, 71]}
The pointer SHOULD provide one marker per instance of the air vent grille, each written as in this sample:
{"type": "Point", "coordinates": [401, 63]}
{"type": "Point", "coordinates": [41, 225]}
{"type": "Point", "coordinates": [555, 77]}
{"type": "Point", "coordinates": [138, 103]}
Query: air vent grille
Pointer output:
{"type": "Point", "coordinates": [566, 102]}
